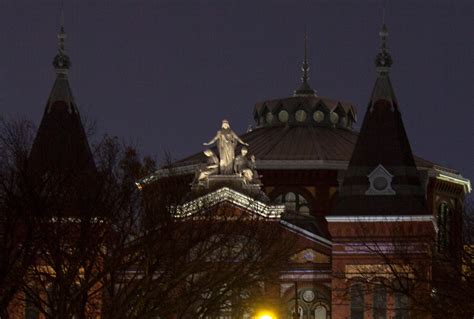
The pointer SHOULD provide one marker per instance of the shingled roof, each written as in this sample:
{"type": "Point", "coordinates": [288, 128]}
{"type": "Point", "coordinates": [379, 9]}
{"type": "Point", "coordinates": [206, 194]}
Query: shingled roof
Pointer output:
{"type": "Point", "coordinates": [382, 148]}
{"type": "Point", "coordinates": [61, 143]}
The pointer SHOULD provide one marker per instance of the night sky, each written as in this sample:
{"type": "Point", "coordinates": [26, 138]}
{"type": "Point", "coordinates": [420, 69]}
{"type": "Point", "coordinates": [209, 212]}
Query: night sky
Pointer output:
{"type": "Point", "coordinates": [163, 74]}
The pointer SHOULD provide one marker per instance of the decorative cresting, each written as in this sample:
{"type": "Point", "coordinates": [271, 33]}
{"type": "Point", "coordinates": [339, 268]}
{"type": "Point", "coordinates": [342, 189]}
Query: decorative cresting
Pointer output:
{"type": "Point", "coordinates": [226, 166]}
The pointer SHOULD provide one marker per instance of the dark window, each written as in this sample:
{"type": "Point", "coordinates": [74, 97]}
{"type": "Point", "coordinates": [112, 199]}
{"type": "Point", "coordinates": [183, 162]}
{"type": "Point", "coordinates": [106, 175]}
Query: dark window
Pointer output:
{"type": "Point", "coordinates": [444, 222]}
{"type": "Point", "coordinates": [401, 306]}
{"type": "Point", "coordinates": [357, 301]}
{"type": "Point", "coordinates": [31, 310]}
{"type": "Point", "coordinates": [380, 302]}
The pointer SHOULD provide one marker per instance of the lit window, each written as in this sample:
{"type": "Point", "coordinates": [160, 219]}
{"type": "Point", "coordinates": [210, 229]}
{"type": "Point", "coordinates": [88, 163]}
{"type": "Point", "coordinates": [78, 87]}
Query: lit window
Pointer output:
{"type": "Point", "coordinates": [357, 301]}
{"type": "Point", "coordinates": [334, 117]}
{"type": "Point", "coordinates": [294, 202]}
{"type": "Point", "coordinates": [318, 116]}
{"type": "Point", "coordinates": [320, 312]}
{"type": "Point", "coordinates": [283, 116]}
{"type": "Point", "coordinates": [300, 116]}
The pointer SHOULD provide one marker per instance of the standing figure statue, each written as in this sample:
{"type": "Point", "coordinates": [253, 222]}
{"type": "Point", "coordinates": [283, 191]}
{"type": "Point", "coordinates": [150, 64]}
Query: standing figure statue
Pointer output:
{"type": "Point", "coordinates": [226, 142]}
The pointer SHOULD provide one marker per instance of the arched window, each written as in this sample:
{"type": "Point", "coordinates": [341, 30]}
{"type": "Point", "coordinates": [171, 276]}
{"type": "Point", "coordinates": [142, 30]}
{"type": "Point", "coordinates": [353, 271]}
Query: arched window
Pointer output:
{"type": "Point", "coordinates": [357, 301]}
{"type": "Point", "coordinates": [300, 312]}
{"type": "Point", "coordinates": [379, 302]}
{"type": "Point", "coordinates": [443, 220]}
{"type": "Point", "coordinates": [294, 202]}
{"type": "Point", "coordinates": [320, 312]}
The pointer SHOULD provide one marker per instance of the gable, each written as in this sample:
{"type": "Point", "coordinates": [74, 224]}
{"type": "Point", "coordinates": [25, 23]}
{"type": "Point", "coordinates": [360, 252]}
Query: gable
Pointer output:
{"type": "Point", "coordinates": [227, 195]}
{"type": "Point", "coordinates": [310, 255]}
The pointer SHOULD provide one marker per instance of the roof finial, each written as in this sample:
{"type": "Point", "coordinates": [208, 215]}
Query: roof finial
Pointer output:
{"type": "Point", "coordinates": [61, 61]}
{"type": "Point", "coordinates": [305, 89]}
{"type": "Point", "coordinates": [305, 65]}
{"type": "Point", "coordinates": [383, 60]}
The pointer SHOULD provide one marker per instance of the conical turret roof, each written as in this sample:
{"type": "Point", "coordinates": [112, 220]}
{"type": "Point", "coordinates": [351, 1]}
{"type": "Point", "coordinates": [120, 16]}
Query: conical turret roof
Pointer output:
{"type": "Point", "coordinates": [61, 143]}
{"type": "Point", "coordinates": [382, 177]}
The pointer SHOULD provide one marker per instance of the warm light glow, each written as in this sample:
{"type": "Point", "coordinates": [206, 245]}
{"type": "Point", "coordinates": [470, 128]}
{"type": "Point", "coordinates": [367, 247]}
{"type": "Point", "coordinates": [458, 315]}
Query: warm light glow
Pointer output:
{"type": "Point", "coordinates": [266, 315]}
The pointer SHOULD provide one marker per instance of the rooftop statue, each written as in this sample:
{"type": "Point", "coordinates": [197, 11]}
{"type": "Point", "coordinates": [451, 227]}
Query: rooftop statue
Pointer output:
{"type": "Point", "coordinates": [226, 141]}
{"type": "Point", "coordinates": [210, 168]}
{"type": "Point", "coordinates": [245, 167]}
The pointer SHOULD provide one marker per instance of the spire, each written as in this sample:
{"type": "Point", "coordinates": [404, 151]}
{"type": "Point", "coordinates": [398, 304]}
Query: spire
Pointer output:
{"type": "Point", "coordinates": [382, 177]}
{"type": "Point", "coordinates": [305, 89]}
{"type": "Point", "coordinates": [61, 142]}
{"type": "Point", "coordinates": [383, 89]}
{"type": "Point", "coordinates": [61, 61]}
{"type": "Point", "coordinates": [383, 60]}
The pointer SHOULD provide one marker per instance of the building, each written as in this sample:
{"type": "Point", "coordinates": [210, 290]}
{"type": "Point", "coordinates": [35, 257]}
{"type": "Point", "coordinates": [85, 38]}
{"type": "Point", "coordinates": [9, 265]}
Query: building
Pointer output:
{"type": "Point", "coordinates": [358, 199]}
{"type": "Point", "coordinates": [342, 194]}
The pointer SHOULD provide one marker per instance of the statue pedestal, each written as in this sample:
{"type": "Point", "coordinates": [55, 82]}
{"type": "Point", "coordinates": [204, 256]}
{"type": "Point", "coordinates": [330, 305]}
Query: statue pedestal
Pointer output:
{"type": "Point", "coordinates": [235, 182]}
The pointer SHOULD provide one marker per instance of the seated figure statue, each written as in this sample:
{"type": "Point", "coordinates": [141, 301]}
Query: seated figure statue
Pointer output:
{"type": "Point", "coordinates": [243, 167]}
{"type": "Point", "coordinates": [210, 168]}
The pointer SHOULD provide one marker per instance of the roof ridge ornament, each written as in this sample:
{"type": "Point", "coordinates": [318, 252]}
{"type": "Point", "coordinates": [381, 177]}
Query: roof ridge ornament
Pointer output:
{"type": "Point", "coordinates": [305, 89]}
{"type": "Point", "coordinates": [61, 61]}
{"type": "Point", "coordinates": [383, 60]}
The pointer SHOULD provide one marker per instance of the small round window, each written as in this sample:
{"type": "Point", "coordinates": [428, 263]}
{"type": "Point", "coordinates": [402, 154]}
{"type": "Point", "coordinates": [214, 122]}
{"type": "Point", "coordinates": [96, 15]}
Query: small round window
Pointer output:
{"type": "Point", "coordinates": [294, 202]}
{"type": "Point", "coordinates": [269, 117]}
{"type": "Point", "coordinates": [300, 115]}
{"type": "Point", "coordinates": [380, 183]}
{"type": "Point", "coordinates": [334, 118]}
{"type": "Point", "coordinates": [308, 295]}
{"type": "Point", "coordinates": [318, 116]}
{"type": "Point", "coordinates": [283, 116]}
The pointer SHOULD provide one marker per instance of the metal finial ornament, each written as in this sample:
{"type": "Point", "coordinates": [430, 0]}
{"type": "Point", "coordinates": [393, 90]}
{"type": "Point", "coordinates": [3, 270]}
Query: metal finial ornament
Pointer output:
{"type": "Point", "coordinates": [305, 89]}
{"type": "Point", "coordinates": [305, 65]}
{"type": "Point", "coordinates": [61, 61]}
{"type": "Point", "coordinates": [383, 60]}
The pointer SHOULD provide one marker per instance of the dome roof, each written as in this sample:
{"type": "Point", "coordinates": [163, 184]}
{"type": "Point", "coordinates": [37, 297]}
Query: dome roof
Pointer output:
{"type": "Point", "coordinates": [302, 144]}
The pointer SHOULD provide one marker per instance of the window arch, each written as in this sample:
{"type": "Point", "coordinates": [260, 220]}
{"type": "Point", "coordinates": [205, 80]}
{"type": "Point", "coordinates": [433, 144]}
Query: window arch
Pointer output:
{"type": "Point", "coordinates": [313, 302]}
{"type": "Point", "coordinates": [357, 301]}
{"type": "Point", "coordinates": [443, 220]}
{"type": "Point", "coordinates": [294, 202]}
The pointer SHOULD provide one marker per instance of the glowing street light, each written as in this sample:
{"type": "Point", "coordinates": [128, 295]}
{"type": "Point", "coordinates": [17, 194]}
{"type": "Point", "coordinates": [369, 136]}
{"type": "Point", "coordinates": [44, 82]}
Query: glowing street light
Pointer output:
{"type": "Point", "coordinates": [265, 315]}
